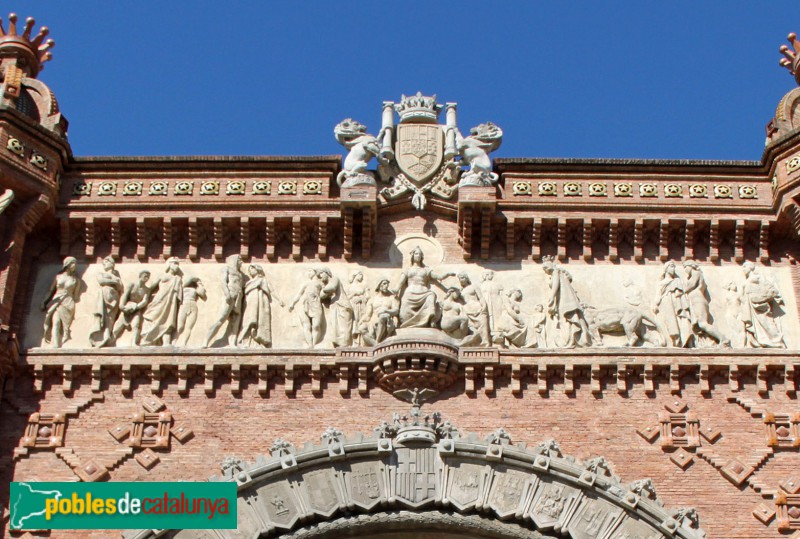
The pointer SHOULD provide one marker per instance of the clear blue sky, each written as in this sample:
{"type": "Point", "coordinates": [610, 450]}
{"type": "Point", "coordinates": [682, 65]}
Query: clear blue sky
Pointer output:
{"type": "Point", "coordinates": [682, 79]}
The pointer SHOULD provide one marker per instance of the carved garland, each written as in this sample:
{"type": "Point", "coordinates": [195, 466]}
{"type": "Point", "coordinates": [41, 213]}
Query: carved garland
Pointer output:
{"type": "Point", "coordinates": [423, 465]}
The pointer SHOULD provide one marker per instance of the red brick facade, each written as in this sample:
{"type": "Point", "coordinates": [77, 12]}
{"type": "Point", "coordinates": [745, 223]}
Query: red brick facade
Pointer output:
{"type": "Point", "coordinates": [717, 429]}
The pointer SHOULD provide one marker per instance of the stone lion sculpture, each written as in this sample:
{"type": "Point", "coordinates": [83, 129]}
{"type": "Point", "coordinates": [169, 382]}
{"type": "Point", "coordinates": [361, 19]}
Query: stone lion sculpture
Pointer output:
{"type": "Point", "coordinates": [634, 324]}
{"type": "Point", "coordinates": [362, 146]}
{"type": "Point", "coordinates": [474, 151]}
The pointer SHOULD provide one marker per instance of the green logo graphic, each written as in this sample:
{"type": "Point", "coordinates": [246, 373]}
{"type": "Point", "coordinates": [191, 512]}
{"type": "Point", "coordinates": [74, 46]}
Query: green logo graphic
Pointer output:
{"type": "Point", "coordinates": [97, 506]}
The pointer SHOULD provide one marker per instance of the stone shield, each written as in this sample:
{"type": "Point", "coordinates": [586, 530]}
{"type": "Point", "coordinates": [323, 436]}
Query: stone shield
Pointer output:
{"type": "Point", "coordinates": [420, 148]}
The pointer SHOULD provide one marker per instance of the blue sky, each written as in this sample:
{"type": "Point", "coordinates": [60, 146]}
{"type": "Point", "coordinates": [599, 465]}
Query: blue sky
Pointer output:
{"type": "Point", "coordinates": [682, 79]}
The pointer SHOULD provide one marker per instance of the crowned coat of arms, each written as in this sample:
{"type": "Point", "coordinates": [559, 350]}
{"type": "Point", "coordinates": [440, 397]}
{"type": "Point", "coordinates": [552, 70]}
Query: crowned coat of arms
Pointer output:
{"type": "Point", "coordinates": [418, 157]}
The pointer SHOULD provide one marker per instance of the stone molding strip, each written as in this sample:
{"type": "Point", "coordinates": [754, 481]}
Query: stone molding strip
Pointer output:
{"type": "Point", "coordinates": [596, 369]}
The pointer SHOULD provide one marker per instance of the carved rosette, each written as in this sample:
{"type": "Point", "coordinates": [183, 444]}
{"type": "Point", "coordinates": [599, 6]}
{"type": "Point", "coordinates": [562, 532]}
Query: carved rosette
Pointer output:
{"type": "Point", "coordinates": [418, 364]}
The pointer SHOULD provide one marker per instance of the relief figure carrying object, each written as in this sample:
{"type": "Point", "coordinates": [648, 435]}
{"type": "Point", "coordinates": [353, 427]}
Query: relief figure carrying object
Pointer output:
{"type": "Point", "coordinates": [59, 305]}
{"type": "Point", "coordinates": [419, 307]}
{"type": "Point", "coordinates": [108, 304]}
{"type": "Point", "coordinates": [257, 317]}
{"type": "Point", "coordinates": [132, 305]}
{"type": "Point", "coordinates": [564, 305]}
{"type": "Point", "coordinates": [333, 293]}
{"type": "Point", "coordinates": [762, 303]}
{"type": "Point", "coordinates": [161, 314]}
{"type": "Point", "coordinates": [231, 308]}
{"type": "Point", "coordinates": [362, 147]}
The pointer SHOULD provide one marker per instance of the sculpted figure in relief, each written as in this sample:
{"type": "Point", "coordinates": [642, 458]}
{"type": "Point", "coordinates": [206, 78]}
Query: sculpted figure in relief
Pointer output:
{"type": "Point", "coordinates": [673, 306]}
{"type": "Point", "coordinates": [193, 290]}
{"type": "Point", "coordinates": [107, 306]}
{"type": "Point", "coordinates": [132, 305]}
{"type": "Point", "coordinates": [310, 314]}
{"type": "Point", "coordinates": [333, 294]}
{"type": "Point", "coordinates": [762, 302]}
{"type": "Point", "coordinates": [495, 302]}
{"type": "Point", "coordinates": [735, 316]}
{"type": "Point", "coordinates": [564, 305]}
{"type": "Point", "coordinates": [257, 317]}
{"type": "Point", "coordinates": [161, 314]}
{"type": "Point", "coordinates": [379, 319]}
{"type": "Point", "coordinates": [516, 329]}
{"type": "Point", "coordinates": [418, 305]}
{"type": "Point", "coordinates": [357, 292]}
{"type": "Point", "coordinates": [454, 321]}
{"type": "Point", "coordinates": [476, 309]}
{"type": "Point", "coordinates": [697, 294]}
{"type": "Point", "coordinates": [363, 147]}
{"type": "Point", "coordinates": [475, 149]}
{"type": "Point", "coordinates": [59, 305]}
{"type": "Point", "coordinates": [231, 308]}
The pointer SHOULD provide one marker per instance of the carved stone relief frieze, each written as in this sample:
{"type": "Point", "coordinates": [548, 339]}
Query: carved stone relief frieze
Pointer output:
{"type": "Point", "coordinates": [543, 305]}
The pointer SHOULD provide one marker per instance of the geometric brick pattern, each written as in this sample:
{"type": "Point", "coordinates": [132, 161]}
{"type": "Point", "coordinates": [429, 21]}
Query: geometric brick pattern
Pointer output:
{"type": "Point", "coordinates": [783, 430]}
{"type": "Point", "coordinates": [787, 505]}
{"type": "Point", "coordinates": [151, 430]}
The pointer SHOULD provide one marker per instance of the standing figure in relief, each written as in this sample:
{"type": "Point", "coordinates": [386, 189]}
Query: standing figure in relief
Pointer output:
{"type": "Point", "coordinates": [59, 305]}
{"type": "Point", "coordinates": [311, 313]}
{"type": "Point", "coordinates": [418, 305]}
{"type": "Point", "coordinates": [538, 323]}
{"type": "Point", "coordinates": [454, 322]}
{"type": "Point", "coordinates": [515, 329]}
{"type": "Point", "coordinates": [333, 294]}
{"type": "Point", "coordinates": [380, 317]}
{"type": "Point", "coordinates": [476, 309]}
{"type": "Point", "coordinates": [132, 306]}
{"type": "Point", "coordinates": [231, 308]}
{"type": "Point", "coordinates": [193, 290]}
{"type": "Point", "coordinates": [107, 307]}
{"type": "Point", "coordinates": [697, 294]}
{"type": "Point", "coordinates": [257, 317]}
{"type": "Point", "coordinates": [735, 315]}
{"type": "Point", "coordinates": [565, 305]}
{"type": "Point", "coordinates": [762, 301]}
{"type": "Point", "coordinates": [673, 306]}
{"type": "Point", "coordinates": [161, 314]}
{"type": "Point", "coordinates": [495, 302]}
{"type": "Point", "coordinates": [357, 292]}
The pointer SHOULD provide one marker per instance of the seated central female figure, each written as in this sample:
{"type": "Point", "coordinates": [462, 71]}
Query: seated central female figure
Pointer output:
{"type": "Point", "coordinates": [419, 307]}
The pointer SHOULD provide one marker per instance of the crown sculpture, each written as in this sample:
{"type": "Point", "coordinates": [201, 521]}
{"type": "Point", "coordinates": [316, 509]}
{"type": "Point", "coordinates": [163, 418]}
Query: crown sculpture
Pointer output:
{"type": "Point", "coordinates": [25, 54]}
{"type": "Point", "coordinates": [418, 157]}
{"type": "Point", "coordinates": [791, 60]}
